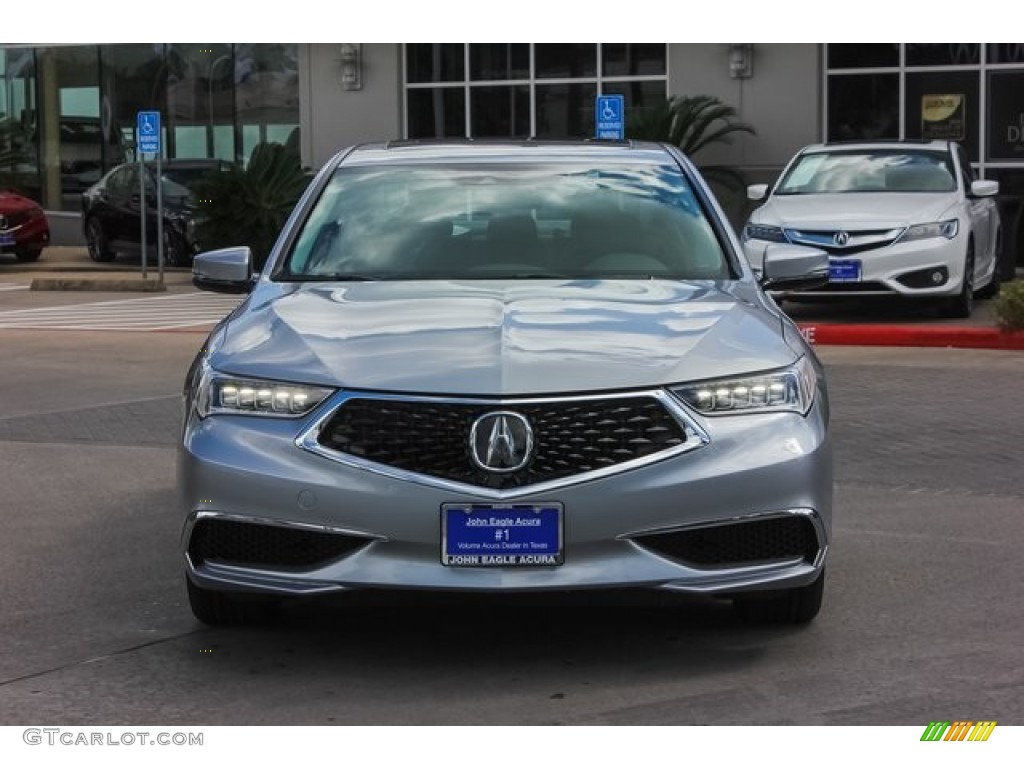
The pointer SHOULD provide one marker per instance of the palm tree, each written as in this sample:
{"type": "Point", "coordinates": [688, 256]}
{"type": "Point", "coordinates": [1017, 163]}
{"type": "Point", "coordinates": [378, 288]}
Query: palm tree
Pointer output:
{"type": "Point", "coordinates": [692, 123]}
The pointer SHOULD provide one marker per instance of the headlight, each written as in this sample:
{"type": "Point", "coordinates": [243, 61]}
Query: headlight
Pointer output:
{"type": "Point", "coordinates": [946, 229]}
{"type": "Point", "coordinates": [764, 232]}
{"type": "Point", "coordinates": [788, 389]}
{"type": "Point", "coordinates": [223, 393]}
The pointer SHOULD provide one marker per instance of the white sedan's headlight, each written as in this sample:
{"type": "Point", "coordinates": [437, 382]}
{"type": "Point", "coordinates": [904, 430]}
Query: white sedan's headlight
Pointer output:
{"type": "Point", "coordinates": [787, 389]}
{"type": "Point", "coordinates": [224, 393]}
{"type": "Point", "coordinates": [946, 229]}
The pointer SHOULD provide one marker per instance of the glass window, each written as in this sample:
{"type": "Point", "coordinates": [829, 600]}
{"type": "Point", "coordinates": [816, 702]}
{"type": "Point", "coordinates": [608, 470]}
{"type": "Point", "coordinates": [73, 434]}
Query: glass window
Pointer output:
{"type": "Point", "coordinates": [267, 91]}
{"type": "Point", "coordinates": [1005, 53]}
{"type": "Point", "coordinates": [860, 55]}
{"type": "Point", "coordinates": [201, 100]}
{"type": "Point", "coordinates": [434, 62]}
{"type": "Point", "coordinates": [1006, 115]}
{"type": "Point", "coordinates": [134, 79]}
{"type": "Point", "coordinates": [499, 61]}
{"type": "Point", "coordinates": [895, 170]}
{"type": "Point", "coordinates": [942, 54]}
{"type": "Point", "coordinates": [620, 59]}
{"type": "Point", "coordinates": [436, 112]}
{"type": "Point", "coordinates": [507, 221]}
{"type": "Point", "coordinates": [19, 148]}
{"type": "Point", "coordinates": [638, 96]}
{"type": "Point", "coordinates": [500, 110]}
{"type": "Point", "coordinates": [565, 60]}
{"type": "Point", "coordinates": [863, 107]}
{"type": "Point", "coordinates": [943, 105]}
{"type": "Point", "coordinates": [566, 110]}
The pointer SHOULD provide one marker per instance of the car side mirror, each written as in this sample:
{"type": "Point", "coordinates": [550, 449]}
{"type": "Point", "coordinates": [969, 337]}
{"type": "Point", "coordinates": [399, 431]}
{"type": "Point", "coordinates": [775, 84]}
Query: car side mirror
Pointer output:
{"type": "Point", "coordinates": [228, 270]}
{"type": "Point", "coordinates": [757, 192]}
{"type": "Point", "coordinates": [984, 188]}
{"type": "Point", "coordinates": [793, 268]}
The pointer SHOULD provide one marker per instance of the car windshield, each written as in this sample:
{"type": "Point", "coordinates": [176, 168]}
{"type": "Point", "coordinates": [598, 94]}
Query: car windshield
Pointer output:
{"type": "Point", "coordinates": [182, 182]}
{"type": "Point", "coordinates": [819, 173]}
{"type": "Point", "coordinates": [505, 221]}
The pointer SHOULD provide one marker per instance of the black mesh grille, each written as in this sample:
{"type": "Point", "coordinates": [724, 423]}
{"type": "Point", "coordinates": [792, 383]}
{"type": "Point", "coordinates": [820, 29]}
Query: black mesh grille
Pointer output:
{"type": "Point", "coordinates": [775, 538]}
{"type": "Point", "coordinates": [865, 287]}
{"type": "Point", "coordinates": [570, 437]}
{"type": "Point", "coordinates": [269, 546]}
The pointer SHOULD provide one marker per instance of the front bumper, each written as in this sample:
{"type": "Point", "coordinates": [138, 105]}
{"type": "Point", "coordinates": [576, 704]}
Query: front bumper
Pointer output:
{"type": "Point", "coordinates": [760, 467]}
{"type": "Point", "coordinates": [31, 234]}
{"type": "Point", "coordinates": [902, 269]}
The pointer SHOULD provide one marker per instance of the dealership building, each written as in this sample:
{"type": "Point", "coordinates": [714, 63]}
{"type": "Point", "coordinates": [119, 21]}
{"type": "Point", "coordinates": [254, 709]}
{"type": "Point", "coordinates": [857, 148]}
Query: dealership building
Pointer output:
{"type": "Point", "coordinates": [68, 112]}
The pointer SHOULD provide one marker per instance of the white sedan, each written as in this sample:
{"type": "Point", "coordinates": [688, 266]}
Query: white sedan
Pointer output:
{"type": "Point", "coordinates": [896, 218]}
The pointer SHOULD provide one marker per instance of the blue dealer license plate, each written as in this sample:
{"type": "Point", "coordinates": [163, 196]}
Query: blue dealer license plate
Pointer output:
{"type": "Point", "coordinates": [505, 535]}
{"type": "Point", "coordinates": [844, 271]}
{"type": "Point", "coordinates": [6, 238]}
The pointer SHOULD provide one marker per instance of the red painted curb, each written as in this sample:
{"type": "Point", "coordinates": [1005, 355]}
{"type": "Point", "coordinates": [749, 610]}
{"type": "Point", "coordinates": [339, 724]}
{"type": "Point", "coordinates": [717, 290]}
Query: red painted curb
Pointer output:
{"type": "Point", "coordinates": [911, 336]}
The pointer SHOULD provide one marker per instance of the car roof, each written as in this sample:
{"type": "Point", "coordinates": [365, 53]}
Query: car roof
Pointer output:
{"type": "Point", "coordinates": [507, 150]}
{"type": "Point", "coordinates": [910, 144]}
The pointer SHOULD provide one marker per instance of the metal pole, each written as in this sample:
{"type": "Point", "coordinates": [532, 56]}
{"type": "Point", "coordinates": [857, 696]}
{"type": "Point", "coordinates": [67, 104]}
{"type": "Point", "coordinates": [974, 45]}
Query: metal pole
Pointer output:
{"type": "Point", "coordinates": [142, 208]}
{"type": "Point", "coordinates": [159, 217]}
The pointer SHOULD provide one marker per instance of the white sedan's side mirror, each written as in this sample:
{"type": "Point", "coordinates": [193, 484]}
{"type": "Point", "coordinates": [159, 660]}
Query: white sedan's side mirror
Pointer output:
{"type": "Point", "coordinates": [757, 191]}
{"type": "Point", "coordinates": [984, 188]}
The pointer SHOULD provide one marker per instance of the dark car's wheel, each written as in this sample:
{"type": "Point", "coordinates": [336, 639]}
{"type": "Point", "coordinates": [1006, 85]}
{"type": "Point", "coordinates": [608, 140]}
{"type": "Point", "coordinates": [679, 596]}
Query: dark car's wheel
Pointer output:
{"type": "Point", "coordinates": [992, 288]}
{"type": "Point", "coordinates": [99, 249]}
{"type": "Point", "coordinates": [962, 304]}
{"type": "Point", "coordinates": [175, 250]}
{"type": "Point", "coordinates": [28, 254]}
{"type": "Point", "coordinates": [226, 609]}
{"type": "Point", "coordinates": [793, 606]}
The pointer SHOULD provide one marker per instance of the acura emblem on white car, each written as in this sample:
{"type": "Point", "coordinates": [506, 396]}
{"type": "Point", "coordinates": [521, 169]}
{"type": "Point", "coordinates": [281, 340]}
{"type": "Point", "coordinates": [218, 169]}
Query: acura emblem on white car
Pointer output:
{"type": "Point", "coordinates": [501, 441]}
{"type": "Point", "coordinates": [842, 238]}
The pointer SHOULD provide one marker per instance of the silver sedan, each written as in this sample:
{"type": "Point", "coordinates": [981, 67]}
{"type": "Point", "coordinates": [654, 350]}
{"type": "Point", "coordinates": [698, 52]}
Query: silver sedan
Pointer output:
{"type": "Point", "coordinates": [502, 367]}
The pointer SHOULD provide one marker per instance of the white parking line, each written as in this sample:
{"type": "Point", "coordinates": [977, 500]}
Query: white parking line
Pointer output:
{"type": "Point", "coordinates": [150, 313]}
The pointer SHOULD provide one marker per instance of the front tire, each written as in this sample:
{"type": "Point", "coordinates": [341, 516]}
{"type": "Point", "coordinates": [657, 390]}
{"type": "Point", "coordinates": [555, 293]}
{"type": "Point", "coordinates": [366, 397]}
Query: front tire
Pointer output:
{"type": "Point", "coordinates": [175, 250]}
{"type": "Point", "coordinates": [219, 609]}
{"type": "Point", "coordinates": [792, 606]}
{"type": "Point", "coordinates": [28, 254]}
{"type": "Point", "coordinates": [962, 305]}
{"type": "Point", "coordinates": [99, 249]}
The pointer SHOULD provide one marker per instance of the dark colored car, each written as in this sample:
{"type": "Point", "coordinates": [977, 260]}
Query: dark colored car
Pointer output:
{"type": "Point", "coordinates": [24, 229]}
{"type": "Point", "coordinates": [111, 210]}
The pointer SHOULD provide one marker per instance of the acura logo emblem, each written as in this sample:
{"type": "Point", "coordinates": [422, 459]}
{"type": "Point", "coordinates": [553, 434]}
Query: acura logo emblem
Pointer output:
{"type": "Point", "coordinates": [501, 441]}
{"type": "Point", "coordinates": [842, 238]}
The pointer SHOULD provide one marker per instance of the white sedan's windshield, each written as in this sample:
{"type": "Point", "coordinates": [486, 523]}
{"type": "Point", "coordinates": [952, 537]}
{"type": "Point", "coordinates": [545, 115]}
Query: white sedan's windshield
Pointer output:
{"type": "Point", "coordinates": [504, 221]}
{"type": "Point", "coordinates": [869, 171]}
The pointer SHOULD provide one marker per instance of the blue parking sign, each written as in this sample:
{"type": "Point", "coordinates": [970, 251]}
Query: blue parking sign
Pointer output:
{"type": "Point", "coordinates": [148, 132]}
{"type": "Point", "coordinates": [610, 117]}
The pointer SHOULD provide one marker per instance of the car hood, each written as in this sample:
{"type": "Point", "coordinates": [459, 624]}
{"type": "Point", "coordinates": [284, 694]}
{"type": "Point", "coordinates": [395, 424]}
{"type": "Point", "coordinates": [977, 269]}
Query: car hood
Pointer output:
{"type": "Point", "coordinates": [12, 202]}
{"type": "Point", "coordinates": [501, 338]}
{"type": "Point", "coordinates": [855, 210]}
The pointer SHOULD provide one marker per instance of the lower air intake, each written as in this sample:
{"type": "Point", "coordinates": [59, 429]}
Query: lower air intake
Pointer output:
{"type": "Point", "coordinates": [267, 546]}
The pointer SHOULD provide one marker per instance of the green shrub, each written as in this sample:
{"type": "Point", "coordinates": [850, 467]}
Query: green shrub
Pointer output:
{"type": "Point", "coordinates": [1009, 306]}
{"type": "Point", "coordinates": [249, 206]}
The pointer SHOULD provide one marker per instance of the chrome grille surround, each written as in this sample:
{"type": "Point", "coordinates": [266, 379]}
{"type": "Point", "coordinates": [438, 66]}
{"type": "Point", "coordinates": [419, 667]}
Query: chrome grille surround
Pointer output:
{"type": "Point", "coordinates": [310, 439]}
{"type": "Point", "coordinates": [856, 240]}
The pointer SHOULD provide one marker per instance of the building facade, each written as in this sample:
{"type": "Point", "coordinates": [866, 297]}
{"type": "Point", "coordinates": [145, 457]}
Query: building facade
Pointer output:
{"type": "Point", "coordinates": [67, 113]}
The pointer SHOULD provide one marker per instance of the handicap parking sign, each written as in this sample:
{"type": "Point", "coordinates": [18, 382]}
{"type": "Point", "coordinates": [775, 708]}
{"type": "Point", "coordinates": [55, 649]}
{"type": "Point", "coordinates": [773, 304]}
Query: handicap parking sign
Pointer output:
{"type": "Point", "coordinates": [148, 132]}
{"type": "Point", "coordinates": [609, 117]}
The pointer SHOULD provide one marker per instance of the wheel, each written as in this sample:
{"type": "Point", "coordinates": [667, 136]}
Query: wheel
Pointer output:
{"type": "Point", "coordinates": [226, 609]}
{"type": "Point", "coordinates": [990, 290]}
{"type": "Point", "coordinates": [792, 606]}
{"type": "Point", "coordinates": [28, 254]}
{"type": "Point", "coordinates": [176, 254]}
{"type": "Point", "coordinates": [99, 249]}
{"type": "Point", "coordinates": [962, 304]}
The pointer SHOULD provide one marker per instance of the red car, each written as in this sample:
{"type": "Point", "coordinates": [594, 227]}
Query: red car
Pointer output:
{"type": "Point", "coordinates": [23, 226]}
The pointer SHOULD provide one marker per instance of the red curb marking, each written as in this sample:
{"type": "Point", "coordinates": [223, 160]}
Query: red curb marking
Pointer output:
{"type": "Point", "coordinates": [911, 336]}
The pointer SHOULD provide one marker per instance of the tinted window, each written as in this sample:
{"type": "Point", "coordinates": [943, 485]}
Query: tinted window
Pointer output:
{"type": "Point", "coordinates": [873, 171]}
{"type": "Point", "coordinates": [504, 222]}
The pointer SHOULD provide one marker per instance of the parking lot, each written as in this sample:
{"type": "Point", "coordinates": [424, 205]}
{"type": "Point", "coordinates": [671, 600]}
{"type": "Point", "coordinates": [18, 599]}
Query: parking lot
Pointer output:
{"type": "Point", "coordinates": [922, 618]}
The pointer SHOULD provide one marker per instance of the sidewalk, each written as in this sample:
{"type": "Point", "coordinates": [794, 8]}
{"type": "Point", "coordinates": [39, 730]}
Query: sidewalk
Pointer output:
{"type": "Point", "coordinates": [879, 323]}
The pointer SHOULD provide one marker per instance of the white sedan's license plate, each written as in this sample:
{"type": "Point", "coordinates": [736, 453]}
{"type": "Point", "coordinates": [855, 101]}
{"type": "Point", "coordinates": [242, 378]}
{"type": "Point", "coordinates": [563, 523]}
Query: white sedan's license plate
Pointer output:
{"type": "Point", "coordinates": [844, 271]}
{"type": "Point", "coordinates": [501, 535]}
